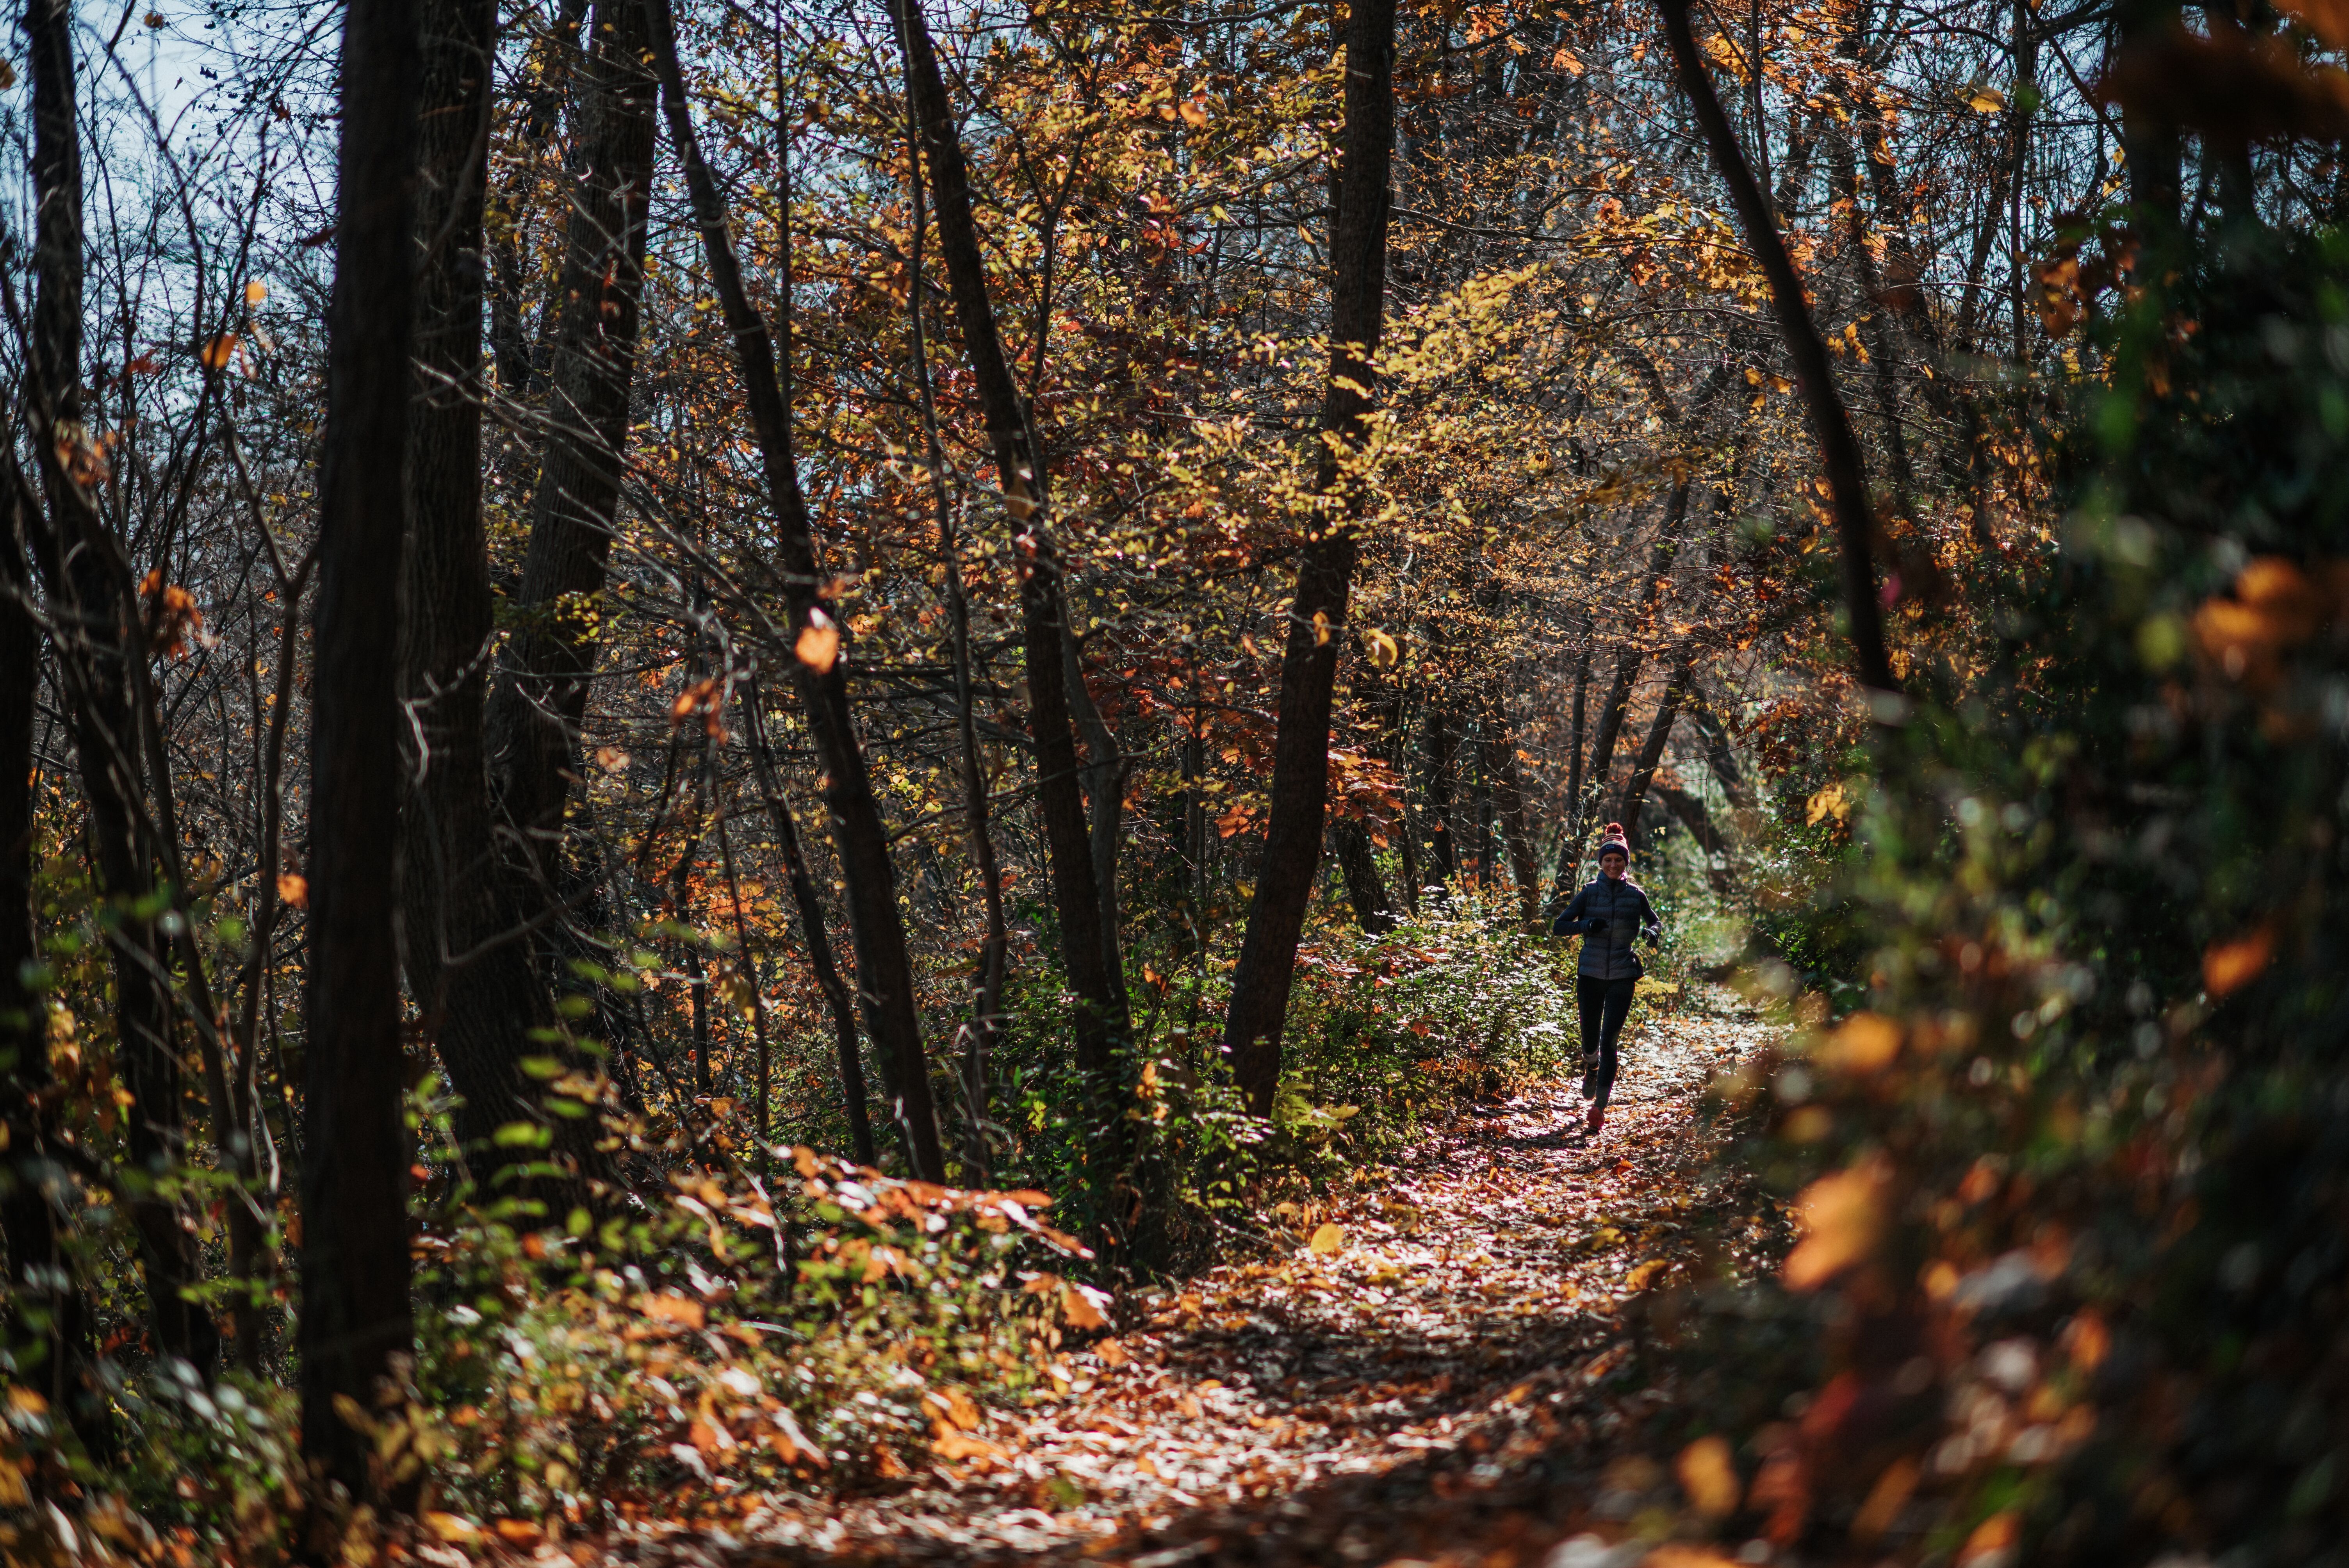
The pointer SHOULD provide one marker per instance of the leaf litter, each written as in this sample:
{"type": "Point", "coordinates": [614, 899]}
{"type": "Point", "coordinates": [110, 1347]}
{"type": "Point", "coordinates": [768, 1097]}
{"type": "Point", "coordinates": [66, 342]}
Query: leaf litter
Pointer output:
{"type": "Point", "coordinates": [1450, 1367]}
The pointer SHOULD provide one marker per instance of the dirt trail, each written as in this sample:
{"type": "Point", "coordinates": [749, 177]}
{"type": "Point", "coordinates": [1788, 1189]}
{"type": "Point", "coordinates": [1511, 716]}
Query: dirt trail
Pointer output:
{"type": "Point", "coordinates": [1439, 1390]}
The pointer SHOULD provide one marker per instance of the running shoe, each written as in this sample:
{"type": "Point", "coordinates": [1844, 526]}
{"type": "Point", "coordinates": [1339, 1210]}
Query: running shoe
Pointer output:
{"type": "Point", "coordinates": [1598, 1117]}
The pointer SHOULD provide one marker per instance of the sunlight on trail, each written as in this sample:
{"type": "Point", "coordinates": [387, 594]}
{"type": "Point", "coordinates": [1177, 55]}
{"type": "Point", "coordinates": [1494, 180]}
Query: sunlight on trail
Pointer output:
{"type": "Point", "coordinates": [1438, 1387]}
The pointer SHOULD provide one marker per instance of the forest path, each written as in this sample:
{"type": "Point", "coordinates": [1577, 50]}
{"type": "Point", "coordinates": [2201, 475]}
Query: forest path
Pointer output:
{"type": "Point", "coordinates": [1437, 1391]}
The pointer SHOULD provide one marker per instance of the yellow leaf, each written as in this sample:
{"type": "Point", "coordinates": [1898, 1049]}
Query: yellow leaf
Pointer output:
{"type": "Point", "coordinates": [1331, 1238]}
{"type": "Point", "coordinates": [1708, 1473]}
{"type": "Point", "coordinates": [1384, 650]}
{"type": "Point", "coordinates": [1985, 100]}
{"type": "Point", "coordinates": [1841, 1216]}
{"type": "Point", "coordinates": [818, 646]}
{"type": "Point", "coordinates": [1827, 803]}
{"type": "Point", "coordinates": [1320, 628]}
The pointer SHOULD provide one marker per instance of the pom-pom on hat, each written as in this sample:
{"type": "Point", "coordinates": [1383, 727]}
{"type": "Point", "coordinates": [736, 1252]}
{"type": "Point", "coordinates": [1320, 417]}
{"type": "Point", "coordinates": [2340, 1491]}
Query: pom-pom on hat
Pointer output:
{"type": "Point", "coordinates": [1612, 842]}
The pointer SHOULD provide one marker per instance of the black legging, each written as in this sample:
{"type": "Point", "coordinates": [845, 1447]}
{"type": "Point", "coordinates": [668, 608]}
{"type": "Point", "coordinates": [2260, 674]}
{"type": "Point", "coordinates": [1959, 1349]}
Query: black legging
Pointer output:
{"type": "Point", "coordinates": [1604, 1004]}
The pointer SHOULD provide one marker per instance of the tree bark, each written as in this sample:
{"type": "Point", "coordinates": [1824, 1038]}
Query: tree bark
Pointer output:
{"type": "Point", "coordinates": [51, 1328]}
{"type": "Point", "coordinates": [1054, 676]}
{"type": "Point", "coordinates": [89, 576]}
{"type": "Point", "coordinates": [1308, 666]}
{"type": "Point", "coordinates": [1509, 796]}
{"type": "Point", "coordinates": [482, 1001]}
{"type": "Point", "coordinates": [1365, 889]}
{"type": "Point", "coordinates": [884, 967]}
{"type": "Point", "coordinates": [979, 1034]}
{"type": "Point", "coordinates": [1839, 454]}
{"type": "Point", "coordinates": [813, 930]}
{"type": "Point", "coordinates": [1651, 750]}
{"type": "Point", "coordinates": [1443, 757]}
{"type": "Point", "coordinates": [355, 1264]}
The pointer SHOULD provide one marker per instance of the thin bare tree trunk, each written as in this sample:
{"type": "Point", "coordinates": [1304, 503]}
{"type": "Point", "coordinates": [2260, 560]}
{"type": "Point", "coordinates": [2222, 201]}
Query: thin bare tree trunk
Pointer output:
{"type": "Point", "coordinates": [1316, 634]}
{"type": "Point", "coordinates": [50, 1329]}
{"type": "Point", "coordinates": [1651, 750]}
{"type": "Point", "coordinates": [995, 948]}
{"type": "Point", "coordinates": [837, 993]}
{"type": "Point", "coordinates": [1846, 472]}
{"type": "Point", "coordinates": [1102, 1020]}
{"type": "Point", "coordinates": [481, 1013]}
{"type": "Point", "coordinates": [355, 1319]}
{"type": "Point", "coordinates": [885, 970]}
{"type": "Point", "coordinates": [87, 572]}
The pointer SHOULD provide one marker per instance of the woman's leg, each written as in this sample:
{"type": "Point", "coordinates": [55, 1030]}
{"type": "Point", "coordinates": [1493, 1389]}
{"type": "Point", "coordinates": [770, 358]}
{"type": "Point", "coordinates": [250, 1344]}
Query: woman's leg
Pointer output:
{"type": "Point", "coordinates": [1617, 1005]}
{"type": "Point", "coordinates": [1590, 1001]}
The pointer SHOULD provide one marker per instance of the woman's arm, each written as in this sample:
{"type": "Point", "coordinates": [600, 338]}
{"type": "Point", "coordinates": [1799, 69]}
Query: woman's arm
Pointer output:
{"type": "Point", "coordinates": [1652, 925]}
{"type": "Point", "coordinates": [1571, 924]}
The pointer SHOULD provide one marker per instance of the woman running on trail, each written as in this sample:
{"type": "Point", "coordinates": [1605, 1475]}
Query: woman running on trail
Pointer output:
{"type": "Point", "coordinates": [1610, 915]}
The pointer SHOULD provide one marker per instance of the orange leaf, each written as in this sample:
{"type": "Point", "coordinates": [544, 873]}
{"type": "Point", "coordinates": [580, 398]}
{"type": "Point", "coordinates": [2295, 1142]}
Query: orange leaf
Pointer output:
{"type": "Point", "coordinates": [818, 646]}
{"type": "Point", "coordinates": [1863, 1043]}
{"type": "Point", "coordinates": [1080, 1306]}
{"type": "Point", "coordinates": [216, 354]}
{"type": "Point", "coordinates": [294, 889]}
{"type": "Point", "coordinates": [1331, 1238]}
{"type": "Point", "coordinates": [673, 1308]}
{"type": "Point", "coordinates": [1708, 1473]}
{"type": "Point", "coordinates": [2232, 965]}
{"type": "Point", "coordinates": [1842, 1215]}
{"type": "Point", "coordinates": [1992, 1542]}
{"type": "Point", "coordinates": [1885, 1501]}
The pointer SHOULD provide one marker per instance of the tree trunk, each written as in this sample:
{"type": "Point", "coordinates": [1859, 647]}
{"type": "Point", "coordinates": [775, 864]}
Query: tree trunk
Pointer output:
{"type": "Point", "coordinates": [884, 967]}
{"type": "Point", "coordinates": [89, 576]}
{"type": "Point", "coordinates": [1702, 828]}
{"type": "Point", "coordinates": [828, 980]}
{"type": "Point", "coordinates": [482, 1000]}
{"type": "Point", "coordinates": [355, 1146]}
{"type": "Point", "coordinates": [1509, 796]}
{"type": "Point", "coordinates": [533, 721]}
{"type": "Point", "coordinates": [1309, 665]}
{"type": "Point", "coordinates": [1443, 756]}
{"type": "Point", "coordinates": [1102, 1020]}
{"type": "Point", "coordinates": [1846, 473]}
{"type": "Point", "coordinates": [1365, 890]}
{"type": "Point", "coordinates": [995, 948]}
{"type": "Point", "coordinates": [1652, 751]}
{"type": "Point", "coordinates": [50, 1328]}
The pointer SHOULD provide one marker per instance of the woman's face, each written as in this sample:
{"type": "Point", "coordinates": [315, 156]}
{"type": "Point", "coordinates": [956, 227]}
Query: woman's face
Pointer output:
{"type": "Point", "coordinates": [1613, 865]}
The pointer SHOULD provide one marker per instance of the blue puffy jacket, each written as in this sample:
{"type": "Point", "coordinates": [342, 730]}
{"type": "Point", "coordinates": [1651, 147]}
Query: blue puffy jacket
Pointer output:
{"type": "Point", "coordinates": [1610, 915]}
